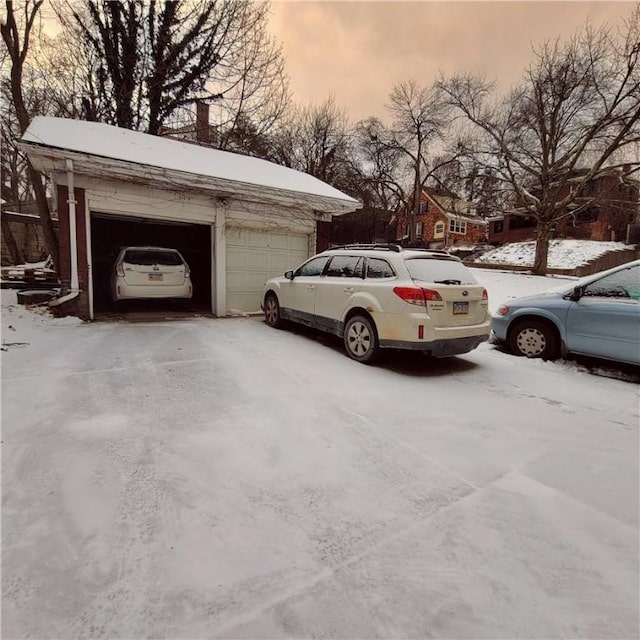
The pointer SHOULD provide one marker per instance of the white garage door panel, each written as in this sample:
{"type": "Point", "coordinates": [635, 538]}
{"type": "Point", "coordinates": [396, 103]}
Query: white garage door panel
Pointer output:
{"type": "Point", "coordinates": [255, 256]}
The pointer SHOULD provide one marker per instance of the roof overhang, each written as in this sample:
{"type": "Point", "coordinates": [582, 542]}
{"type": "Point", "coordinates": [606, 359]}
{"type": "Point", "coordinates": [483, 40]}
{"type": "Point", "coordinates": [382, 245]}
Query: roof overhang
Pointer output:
{"type": "Point", "coordinates": [53, 160]}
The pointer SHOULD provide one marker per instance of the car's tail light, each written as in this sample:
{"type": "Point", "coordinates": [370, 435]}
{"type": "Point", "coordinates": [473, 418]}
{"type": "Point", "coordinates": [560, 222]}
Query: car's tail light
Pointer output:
{"type": "Point", "coordinates": [416, 295]}
{"type": "Point", "coordinates": [412, 295]}
{"type": "Point", "coordinates": [431, 294]}
{"type": "Point", "coordinates": [187, 271]}
{"type": "Point", "coordinates": [485, 295]}
{"type": "Point", "coordinates": [420, 332]}
{"type": "Point", "coordinates": [120, 270]}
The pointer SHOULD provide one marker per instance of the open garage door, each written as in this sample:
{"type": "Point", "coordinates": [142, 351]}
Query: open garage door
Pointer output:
{"type": "Point", "coordinates": [109, 233]}
{"type": "Point", "coordinates": [254, 256]}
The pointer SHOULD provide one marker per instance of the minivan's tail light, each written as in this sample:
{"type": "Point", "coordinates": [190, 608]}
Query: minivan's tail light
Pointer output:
{"type": "Point", "coordinates": [416, 295]}
{"type": "Point", "coordinates": [120, 270]}
{"type": "Point", "coordinates": [485, 295]}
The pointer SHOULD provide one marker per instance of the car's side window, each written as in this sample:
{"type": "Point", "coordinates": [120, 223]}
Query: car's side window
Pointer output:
{"type": "Point", "coordinates": [623, 284]}
{"type": "Point", "coordinates": [378, 268]}
{"type": "Point", "coordinates": [345, 267]}
{"type": "Point", "coordinates": [314, 267]}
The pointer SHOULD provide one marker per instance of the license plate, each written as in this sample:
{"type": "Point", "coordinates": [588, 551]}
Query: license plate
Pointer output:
{"type": "Point", "coordinates": [155, 276]}
{"type": "Point", "coordinates": [460, 308]}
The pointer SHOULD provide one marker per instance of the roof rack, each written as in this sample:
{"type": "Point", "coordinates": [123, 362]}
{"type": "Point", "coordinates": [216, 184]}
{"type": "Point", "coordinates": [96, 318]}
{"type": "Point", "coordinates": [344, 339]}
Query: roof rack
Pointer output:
{"type": "Point", "coordinates": [396, 248]}
{"type": "Point", "coordinates": [382, 247]}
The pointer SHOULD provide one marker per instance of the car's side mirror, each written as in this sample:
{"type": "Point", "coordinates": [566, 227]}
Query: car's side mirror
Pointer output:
{"type": "Point", "coordinates": [576, 294]}
{"type": "Point", "coordinates": [289, 275]}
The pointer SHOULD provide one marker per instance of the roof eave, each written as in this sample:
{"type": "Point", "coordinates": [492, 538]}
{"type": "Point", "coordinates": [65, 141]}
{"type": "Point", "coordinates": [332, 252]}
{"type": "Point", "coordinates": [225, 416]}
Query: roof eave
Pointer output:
{"type": "Point", "coordinates": [52, 159]}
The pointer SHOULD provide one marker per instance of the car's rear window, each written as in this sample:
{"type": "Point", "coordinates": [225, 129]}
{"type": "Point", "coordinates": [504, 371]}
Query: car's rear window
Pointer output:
{"type": "Point", "coordinates": [144, 257]}
{"type": "Point", "coordinates": [436, 270]}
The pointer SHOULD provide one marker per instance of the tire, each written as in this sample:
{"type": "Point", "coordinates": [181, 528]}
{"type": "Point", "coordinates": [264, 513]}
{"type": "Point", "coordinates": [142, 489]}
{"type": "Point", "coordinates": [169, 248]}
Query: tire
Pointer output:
{"type": "Point", "coordinates": [361, 339]}
{"type": "Point", "coordinates": [272, 311]}
{"type": "Point", "coordinates": [534, 339]}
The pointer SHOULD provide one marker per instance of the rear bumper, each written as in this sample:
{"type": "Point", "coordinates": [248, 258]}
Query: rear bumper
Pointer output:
{"type": "Point", "coordinates": [438, 348]}
{"type": "Point", "coordinates": [401, 331]}
{"type": "Point", "coordinates": [132, 292]}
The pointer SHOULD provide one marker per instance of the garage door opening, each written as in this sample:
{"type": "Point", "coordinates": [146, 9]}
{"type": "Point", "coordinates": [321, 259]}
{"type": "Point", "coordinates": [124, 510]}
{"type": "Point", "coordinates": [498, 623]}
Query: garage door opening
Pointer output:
{"type": "Point", "coordinates": [110, 233]}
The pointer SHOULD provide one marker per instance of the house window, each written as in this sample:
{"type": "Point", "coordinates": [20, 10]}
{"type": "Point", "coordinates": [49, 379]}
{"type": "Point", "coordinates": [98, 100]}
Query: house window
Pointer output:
{"type": "Point", "coordinates": [587, 215]}
{"type": "Point", "coordinates": [521, 222]}
{"type": "Point", "coordinates": [423, 207]}
{"type": "Point", "coordinates": [438, 230]}
{"type": "Point", "coordinates": [498, 226]}
{"type": "Point", "coordinates": [419, 229]}
{"type": "Point", "coordinates": [457, 226]}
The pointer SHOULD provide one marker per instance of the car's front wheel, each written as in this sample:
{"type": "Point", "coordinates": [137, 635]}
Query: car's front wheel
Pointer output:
{"type": "Point", "coordinates": [361, 340]}
{"type": "Point", "coordinates": [272, 311]}
{"type": "Point", "coordinates": [534, 339]}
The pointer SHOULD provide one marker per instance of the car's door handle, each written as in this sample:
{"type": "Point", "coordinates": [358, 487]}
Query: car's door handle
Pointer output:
{"type": "Point", "coordinates": [348, 289]}
{"type": "Point", "coordinates": [311, 286]}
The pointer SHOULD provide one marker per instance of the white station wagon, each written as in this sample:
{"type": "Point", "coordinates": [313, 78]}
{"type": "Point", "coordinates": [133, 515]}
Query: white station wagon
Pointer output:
{"type": "Point", "coordinates": [150, 272]}
{"type": "Point", "coordinates": [384, 296]}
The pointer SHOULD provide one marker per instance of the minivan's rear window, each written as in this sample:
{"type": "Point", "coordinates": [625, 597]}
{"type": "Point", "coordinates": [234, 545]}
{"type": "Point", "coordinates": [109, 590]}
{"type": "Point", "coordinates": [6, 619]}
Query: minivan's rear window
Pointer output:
{"type": "Point", "coordinates": [444, 271]}
{"type": "Point", "coordinates": [136, 256]}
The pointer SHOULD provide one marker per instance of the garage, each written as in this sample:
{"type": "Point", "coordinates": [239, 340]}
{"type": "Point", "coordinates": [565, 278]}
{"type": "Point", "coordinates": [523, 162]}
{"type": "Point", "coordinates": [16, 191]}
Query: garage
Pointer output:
{"type": "Point", "coordinates": [109, 233]}
{"type": "Point", "coordinates": [254, 256]}
{"type": "Point", "coordinates": [237, 220]}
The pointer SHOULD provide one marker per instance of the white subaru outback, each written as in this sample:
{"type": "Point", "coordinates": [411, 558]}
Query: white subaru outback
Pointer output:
{"type": "Point", "coordinates": [384, 296]}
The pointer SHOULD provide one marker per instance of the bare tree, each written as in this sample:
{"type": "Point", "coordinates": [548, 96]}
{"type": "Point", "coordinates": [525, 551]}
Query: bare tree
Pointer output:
{"type": "Point", "coordinates": [318, 140]}
{"type": "Point", "coordinates": [147, 61]}
{"type": "Point", "coordinates": [570, 121]}
{"type": "Point", "coordinates": [17, 34]}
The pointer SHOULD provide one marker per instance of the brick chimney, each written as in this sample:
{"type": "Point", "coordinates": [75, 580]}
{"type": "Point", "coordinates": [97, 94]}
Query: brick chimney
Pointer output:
{"type": "Point", "coordinates": [202, 122]}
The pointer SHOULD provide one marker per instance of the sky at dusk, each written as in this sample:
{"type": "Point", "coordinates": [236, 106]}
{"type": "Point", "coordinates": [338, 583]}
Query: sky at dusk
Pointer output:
{"type": "Point", "coordinates": [356, 51]}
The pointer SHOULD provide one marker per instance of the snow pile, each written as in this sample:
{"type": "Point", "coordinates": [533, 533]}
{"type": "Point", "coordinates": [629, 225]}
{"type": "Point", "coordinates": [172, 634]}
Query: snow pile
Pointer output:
{"type": "Point", "coordinates": [21, 323]}
{"type": "Point", "coordinates": [563, 254]}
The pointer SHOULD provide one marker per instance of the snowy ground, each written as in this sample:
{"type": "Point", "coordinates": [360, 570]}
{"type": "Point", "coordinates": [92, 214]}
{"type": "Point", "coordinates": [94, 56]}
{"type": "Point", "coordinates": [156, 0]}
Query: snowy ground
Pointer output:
{"type": "Point", "coordinates": [563, 254]}
{"type": "Point", "coordinates": [216, 478]}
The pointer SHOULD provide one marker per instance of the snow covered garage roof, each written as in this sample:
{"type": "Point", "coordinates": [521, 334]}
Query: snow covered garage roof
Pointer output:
{"type": "Point", "coordinates": [49, 140]}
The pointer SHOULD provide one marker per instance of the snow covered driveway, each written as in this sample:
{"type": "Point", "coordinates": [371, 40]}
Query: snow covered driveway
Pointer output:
{"type": "Point", "coordinates": [219, 479]}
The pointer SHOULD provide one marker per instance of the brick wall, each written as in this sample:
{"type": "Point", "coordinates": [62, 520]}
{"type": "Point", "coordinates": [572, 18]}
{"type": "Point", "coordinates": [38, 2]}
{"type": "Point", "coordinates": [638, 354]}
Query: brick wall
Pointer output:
{"type": "Point", "coordinates": [323, 235]}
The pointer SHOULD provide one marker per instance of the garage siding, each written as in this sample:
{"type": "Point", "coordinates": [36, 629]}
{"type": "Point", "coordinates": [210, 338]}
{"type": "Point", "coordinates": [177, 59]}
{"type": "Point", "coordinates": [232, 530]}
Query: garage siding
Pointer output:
{"type": "Point", "coordinates": [254, 256]}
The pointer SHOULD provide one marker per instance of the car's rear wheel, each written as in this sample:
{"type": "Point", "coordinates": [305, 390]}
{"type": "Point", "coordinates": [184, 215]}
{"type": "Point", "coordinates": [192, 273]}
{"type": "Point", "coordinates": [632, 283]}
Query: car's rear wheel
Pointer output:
{"type": "Point", "coordinates": [361, 339]}
{"type": "Point", "coordinates": [272, 311]}
{"type": "Point", "coordinates": [534, 339]}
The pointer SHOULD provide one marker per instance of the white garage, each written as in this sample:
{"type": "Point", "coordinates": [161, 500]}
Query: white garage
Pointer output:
{"type": "Point", "coordinates": [255, 255]}
{"type": "Point", "coordinates": [253, 219]}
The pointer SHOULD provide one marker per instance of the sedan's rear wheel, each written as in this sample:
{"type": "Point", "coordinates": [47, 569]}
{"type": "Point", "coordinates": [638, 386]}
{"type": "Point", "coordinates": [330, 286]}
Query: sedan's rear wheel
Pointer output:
{"type": "Point", "coordinates": [361, 340]}
{"type": "Point", "coordinates": [534, 339]}
{"type": "Point", "coordinates": [272, 311]}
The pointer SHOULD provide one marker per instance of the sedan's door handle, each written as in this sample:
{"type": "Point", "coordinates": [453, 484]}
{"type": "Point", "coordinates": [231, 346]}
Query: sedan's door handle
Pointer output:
{"type": "Point", "coordinates": [348, 289]}
{"type": "Point", "coordinates": [311, 286]}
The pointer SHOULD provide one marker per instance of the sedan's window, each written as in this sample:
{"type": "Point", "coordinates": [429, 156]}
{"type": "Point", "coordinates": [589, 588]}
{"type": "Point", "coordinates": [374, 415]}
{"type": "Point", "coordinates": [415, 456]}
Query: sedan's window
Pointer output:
{"type": "Point", "coordinates": [377, 268]}
{"type": "Point", "coordinates": [345, 267]}
{"type": "Point", "coordinates": [437, 270]}
{"type": "Point", "coordinates": [623, 284]}
{"type": "Point", "coordinates": [314, 267]}
{"type": "Point", "coordinates": [144, 257]}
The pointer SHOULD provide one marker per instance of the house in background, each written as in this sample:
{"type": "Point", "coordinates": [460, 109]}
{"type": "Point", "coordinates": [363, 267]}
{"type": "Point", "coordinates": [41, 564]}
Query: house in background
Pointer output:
{"type": "Point", "coordinates": [444, 221]}
{"type": "Point", "coordinates": [612, 207]}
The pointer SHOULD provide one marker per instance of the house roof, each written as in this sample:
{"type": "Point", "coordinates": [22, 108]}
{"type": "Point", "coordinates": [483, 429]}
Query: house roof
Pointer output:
{"type": "Point", "coordinates": [50, 139]}
{"type": "Point", "coordinates": [455, 208]}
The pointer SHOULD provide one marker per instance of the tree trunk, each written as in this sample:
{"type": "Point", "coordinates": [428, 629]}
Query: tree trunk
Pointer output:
{"type": "Point", "coordinates": [18, 54]}
{"type": "Point", "coordinates": [542, 249]}
{"type": "Point", "coordinates": [14, 250]}
{"type": "Point", "coordinates": [50, 237]}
